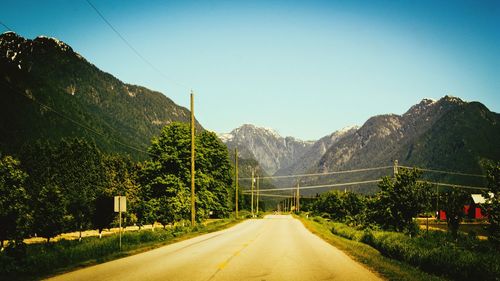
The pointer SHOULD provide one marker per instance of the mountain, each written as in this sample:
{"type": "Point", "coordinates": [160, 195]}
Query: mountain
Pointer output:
{"type": "Point", "coordinates": [315, 152]}
{"type": "Point", "coordinates": [448, 134]}
{"type": "Point", "coordinates": [272, 151]}
{"type": "Point", "coordinates": [43, 75]}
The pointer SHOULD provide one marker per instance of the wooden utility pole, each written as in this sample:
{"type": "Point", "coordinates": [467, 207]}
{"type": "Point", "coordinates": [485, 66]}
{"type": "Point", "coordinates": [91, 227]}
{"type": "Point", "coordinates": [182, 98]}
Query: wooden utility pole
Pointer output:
{"type": "Point", "coordinates": [258, 195]}
{"type": "Point", "coordinates": [298, 197]}
{"type": "Point", "coordinates": [193, 214]}
{"type": "Point", "coordinates": [251, 201]}
{"type": "Point", "coordinates": [437, 202]}
{"type": "Point", "coordinates": [120, 214]}
{"type": "Point", "coordinates": [236, 180]}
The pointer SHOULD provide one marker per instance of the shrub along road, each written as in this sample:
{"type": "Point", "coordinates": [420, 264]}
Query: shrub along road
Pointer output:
{"type": "Point", "coordinates": [274, 248]}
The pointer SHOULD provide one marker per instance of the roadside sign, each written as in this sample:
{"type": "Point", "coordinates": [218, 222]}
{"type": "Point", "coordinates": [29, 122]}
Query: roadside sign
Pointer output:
{"type": "Point", "coordinates": [120, 204]}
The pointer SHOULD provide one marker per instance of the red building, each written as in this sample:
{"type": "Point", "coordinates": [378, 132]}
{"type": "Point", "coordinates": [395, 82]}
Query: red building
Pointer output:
{"type": "Point", "coordinates": [472, 210]}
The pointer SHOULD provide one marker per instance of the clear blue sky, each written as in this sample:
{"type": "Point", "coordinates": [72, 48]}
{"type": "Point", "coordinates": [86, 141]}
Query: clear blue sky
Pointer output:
{"type": "Point", "coordinates": [304, 68]}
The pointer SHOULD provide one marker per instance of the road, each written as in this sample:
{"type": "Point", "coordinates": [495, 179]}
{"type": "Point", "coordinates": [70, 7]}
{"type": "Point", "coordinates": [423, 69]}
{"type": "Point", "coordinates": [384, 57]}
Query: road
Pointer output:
{"type": "Point", "coordinates": [277, 247]}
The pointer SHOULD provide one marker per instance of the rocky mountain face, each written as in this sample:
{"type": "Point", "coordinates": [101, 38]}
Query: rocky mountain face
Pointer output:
{"type": "Point", "coordinates": [43, 75]}
{"type": "Point", "coordinates": [448, 134]}
{"type": "Point", "coordinates": [315, 152]}
{"type": "Point", "coordinates": [271, 150]}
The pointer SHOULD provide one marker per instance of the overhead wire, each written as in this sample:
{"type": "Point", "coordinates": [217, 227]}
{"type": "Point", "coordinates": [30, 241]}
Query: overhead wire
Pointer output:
{"type": "Point", "coordinates": [315, 186]}
{"type": "Point", "coordinates": [143, 58]}
{"type": "Point", "coordinates": [444, 172]}
{"type": "Point", "coordinates": [61, 115]}
{"type": "Point", "coordinates": [6, 27]}
{"type": "Point", "coordinates": [454, 185]}
{"type": "Point", "coordinates": [269, 195]}
{"type": "Point", "coordinates": [321, 174]}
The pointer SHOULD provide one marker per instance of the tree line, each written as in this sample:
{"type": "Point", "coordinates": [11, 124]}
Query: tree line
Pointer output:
{"type": "Point", "coordinates": [401, 198]}
{"type": "Point", "coordinates": [51, 188]}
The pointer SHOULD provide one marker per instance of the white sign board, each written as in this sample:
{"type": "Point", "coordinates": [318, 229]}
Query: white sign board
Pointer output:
{"type": "Point", "coordinates": [120, 204]}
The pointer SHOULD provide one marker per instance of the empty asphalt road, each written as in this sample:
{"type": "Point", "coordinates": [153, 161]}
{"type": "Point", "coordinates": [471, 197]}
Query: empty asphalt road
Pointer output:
{"type": "Point", "coordinates": [274, 248]}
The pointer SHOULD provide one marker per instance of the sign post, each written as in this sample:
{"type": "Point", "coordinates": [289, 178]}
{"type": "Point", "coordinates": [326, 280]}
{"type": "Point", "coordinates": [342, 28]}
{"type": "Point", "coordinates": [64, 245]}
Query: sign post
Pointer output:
{"type": "Point", "coordinates": [120, 206]}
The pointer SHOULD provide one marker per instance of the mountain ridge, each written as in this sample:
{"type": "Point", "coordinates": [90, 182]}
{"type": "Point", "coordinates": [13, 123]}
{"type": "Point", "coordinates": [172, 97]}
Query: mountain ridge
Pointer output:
{"type": "Point", "coordinates": [447, 134]}
{"type": "Point", "coordinates": [50, 72]}
{"type": "Point", "coordinates": [273, 150]}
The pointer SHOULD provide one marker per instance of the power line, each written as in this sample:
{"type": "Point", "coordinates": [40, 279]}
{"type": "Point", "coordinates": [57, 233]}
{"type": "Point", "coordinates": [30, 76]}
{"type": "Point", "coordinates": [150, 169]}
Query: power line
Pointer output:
{"type": "Point", "coordinates": [6, 27]}
{"type": "Point", "coordinates": [269, 195]}
{"type": "Point", "coordinates": [318, 186]}
{"type": "Point", "coordinates": [76, 122]}
{"type": "Point", "coordinates": [444, 172]}
{"type": "Point", "coordinates": [323, 174]}
{"type": "Point", "coordinates": [364, 182]}
{"type": "Point", "coordinates": [132, 47]}
{"type": "Point", "coordinates": [454, 185]}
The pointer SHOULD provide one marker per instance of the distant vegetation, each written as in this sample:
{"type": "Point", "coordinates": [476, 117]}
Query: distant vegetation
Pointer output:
{"type": "Point", "coordinates": [386, 222]}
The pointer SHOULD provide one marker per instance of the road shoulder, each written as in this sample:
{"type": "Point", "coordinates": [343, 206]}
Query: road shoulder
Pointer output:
{"type": "Point", "coordinates": [369, 257]}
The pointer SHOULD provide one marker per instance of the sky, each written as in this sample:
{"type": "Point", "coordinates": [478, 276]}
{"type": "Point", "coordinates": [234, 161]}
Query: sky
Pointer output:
{"type": "Point", "coordinates": [303, 68]}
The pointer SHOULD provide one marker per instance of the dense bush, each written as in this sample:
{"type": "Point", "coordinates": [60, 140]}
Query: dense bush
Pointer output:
{"type": "Point", "coordinates": [347, 207]}
{"type": "Point", "coordinates": [435, 252]}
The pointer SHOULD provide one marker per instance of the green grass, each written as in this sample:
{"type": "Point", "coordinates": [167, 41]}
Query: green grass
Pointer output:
{"type": "Point", "coordinates": [477, 228]}
{"type": "Point", "coordinates": [385, 267]}
{"type": "Point", "coordinates": [42, 260]}
{"type": "Point", "coordinates": [436, 252]}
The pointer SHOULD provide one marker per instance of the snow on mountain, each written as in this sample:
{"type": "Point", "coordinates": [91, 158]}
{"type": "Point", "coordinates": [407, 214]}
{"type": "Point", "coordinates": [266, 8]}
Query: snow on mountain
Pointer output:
{"type": "Point", "coordinates": [270, 149]}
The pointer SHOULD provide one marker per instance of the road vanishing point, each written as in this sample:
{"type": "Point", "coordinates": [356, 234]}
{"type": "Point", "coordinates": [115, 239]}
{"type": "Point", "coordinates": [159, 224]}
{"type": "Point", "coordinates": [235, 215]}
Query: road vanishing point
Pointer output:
{"type": "Point", "coordinates": [277, 247]}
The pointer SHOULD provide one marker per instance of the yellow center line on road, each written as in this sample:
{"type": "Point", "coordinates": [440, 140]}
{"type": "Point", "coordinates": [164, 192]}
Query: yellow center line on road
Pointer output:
{"type": "Point", "coordinates": [223, 264]}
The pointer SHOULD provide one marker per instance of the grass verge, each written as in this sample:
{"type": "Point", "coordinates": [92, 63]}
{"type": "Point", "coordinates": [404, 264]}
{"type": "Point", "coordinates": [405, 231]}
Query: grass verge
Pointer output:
{"type": "Point", "coordinates": [459, 258]}
{"type": "Point", "coordinates": [36, 261]}
{"type": "Point", "coordinates": [386, 267]}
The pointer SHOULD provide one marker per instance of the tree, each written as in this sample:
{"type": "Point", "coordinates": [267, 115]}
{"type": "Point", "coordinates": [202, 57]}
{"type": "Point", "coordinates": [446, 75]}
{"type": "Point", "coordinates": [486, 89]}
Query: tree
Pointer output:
{"type": "Point", "coordinates": [400, 199]}
{"type": "Point", "coordinates": [14, 212]}
{"type": "Point", "coordinates": [492, 206]}
{"type": "Point", "coordinates": [355, 208]}
{"type": "Point", "coordinates": [454, 201]}
{"type": "Point", "coordinates": [80, 174]}
{"type": "Point", "coordinates": [120, 179]}
{"type": "Point", "coordinates": [173, 198]}
{"type": "Point", "coordinates": [330, 204]}
{"type": "Point", "coordinates": [49, 212]}
{"type": "Point", "coordinates": [147, 211]}
{"type": "Point", "coordinates": [104, 212]}
{"type": "Point", "coordinates": [215, 177]}
{"type": "Point", "coordinates": [167, 176]}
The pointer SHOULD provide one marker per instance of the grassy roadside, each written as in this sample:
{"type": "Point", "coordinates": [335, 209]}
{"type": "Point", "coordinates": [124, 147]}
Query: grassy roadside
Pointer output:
{"type": "Point", "coordinates": [385, 267]}
{"type": "Point", "coordinates": [44, 260]}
